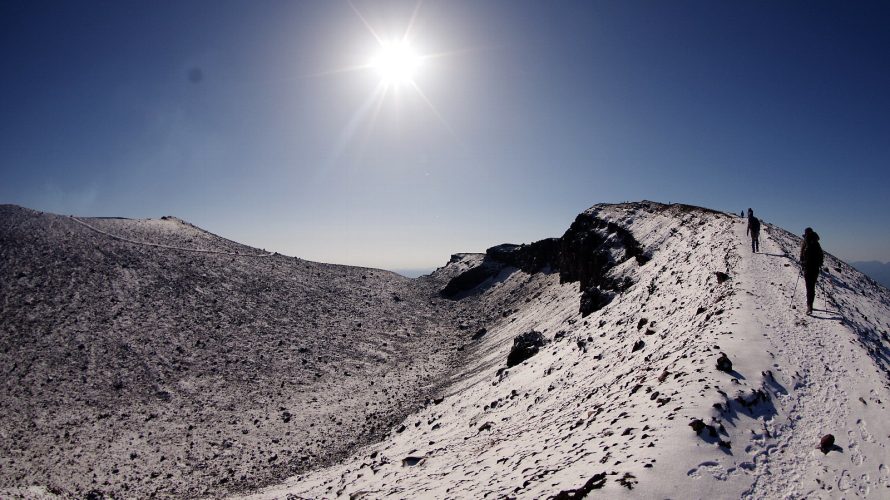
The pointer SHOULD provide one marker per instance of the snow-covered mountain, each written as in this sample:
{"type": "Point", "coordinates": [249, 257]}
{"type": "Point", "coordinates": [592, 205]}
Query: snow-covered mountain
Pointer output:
{"type": "Point", "coordinates": [142, 357]}
{"type": "Point", "coordinates": [573, 366]}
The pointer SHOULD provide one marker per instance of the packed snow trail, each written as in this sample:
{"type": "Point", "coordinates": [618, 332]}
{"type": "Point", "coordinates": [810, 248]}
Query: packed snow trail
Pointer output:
{"type": "Point", "coordinates": [820, 383]}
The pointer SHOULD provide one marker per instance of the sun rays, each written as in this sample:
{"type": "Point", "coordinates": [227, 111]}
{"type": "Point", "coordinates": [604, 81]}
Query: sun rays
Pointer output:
{"type": "Point", "coordinates": [398, 61]}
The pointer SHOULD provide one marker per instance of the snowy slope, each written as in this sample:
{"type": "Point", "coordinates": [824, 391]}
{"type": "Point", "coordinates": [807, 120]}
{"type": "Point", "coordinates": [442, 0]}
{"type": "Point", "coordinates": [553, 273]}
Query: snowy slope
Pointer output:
{"type": "Point", "coordinates": [605, 407]}
{"type": "Point", "coordinates": [149, 357]}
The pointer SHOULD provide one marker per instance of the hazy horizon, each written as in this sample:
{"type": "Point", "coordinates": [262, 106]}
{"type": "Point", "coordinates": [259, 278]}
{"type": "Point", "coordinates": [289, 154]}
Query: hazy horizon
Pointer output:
{"type": "Point", "coordinates": [275, 124]}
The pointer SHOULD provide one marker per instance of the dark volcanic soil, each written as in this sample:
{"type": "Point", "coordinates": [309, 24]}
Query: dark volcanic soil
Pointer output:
{"type": "Point", "coordinates": [141, 371]}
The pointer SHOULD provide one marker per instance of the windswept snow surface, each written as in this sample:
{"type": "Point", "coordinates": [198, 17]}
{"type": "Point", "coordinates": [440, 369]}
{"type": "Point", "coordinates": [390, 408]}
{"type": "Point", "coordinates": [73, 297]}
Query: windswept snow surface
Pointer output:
{"type": "Point", "coordinates": [605, 408]}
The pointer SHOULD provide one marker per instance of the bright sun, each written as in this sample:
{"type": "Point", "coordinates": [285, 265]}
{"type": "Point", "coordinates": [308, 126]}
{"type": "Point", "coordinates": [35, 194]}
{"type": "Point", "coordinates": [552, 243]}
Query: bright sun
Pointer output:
{"type": "Point", "coordinates": [397, 63]}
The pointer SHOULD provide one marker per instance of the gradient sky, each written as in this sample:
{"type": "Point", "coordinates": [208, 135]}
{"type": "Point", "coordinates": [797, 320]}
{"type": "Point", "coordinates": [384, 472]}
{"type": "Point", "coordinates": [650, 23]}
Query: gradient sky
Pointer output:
{"type": "Point", "coordinates": [236, 117]}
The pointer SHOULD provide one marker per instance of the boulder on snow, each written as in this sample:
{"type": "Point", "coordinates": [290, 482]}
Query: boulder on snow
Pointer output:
{"type": "Point", "coordinates": [593, 299]}
{"type": "Point", "coordinates": [721, 277]}
{"type": "Point", "coordinates": [723, 363]}
{"type": "Point", "coordinates": [699, 425]}
{"type": "Point", "coordinates": [525, 346]}
{"type": "Point", "coordinates": [826, 444]}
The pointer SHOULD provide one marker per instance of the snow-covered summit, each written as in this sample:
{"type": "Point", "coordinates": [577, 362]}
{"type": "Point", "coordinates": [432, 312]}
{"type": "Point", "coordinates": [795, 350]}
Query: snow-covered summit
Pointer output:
{"type": "Point", "coordinates": [360, 383]}
{"type": "Point", "coordinates": [627, 399]}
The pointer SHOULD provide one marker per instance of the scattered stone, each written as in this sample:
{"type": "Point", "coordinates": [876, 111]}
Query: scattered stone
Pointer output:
{"type": "Point", "coordinates": [524, 347]}
{"type": "Point", "coordinates": [594, 483]}
{"type": "Point", "coordinates": [628, 480]}
{"type": "Point", "coordinates": [751, 400]}
{"type": "Point", "coordinates": [723, 363]}
{"type": "Point", "coordinates": [638, 345]}
{"type": "Point", "coordinates": [698, 425]}
{"type": "Point", "coordinates": [721, 277]}
{"type": "Point", "coordinates": [411, 461]}
{"type": "Point", "coordinates": [826, 444]}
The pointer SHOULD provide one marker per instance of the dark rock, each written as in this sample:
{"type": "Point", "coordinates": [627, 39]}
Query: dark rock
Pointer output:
{"type": "Point", "coordinates": [628, 480]}
{"type": "Point", "coordinates": [752, 399]}
{"type": "Point", "coordinates": [479, 334]}
{"type": "Point", "coordinates": [594, 483]}
{"type": "Point", "coordinates": [471, 278]}
{"type": "Point", "coordinates": [531, 258]}
{"type": "Point", "coordinates": [698, 425]}
{"type": "Point", "coordinates": [642, 323]}
{"type": "Point", "coordinates": [721, 277]}
{"type": "Point", "coordinates": [586, 253]}
{"type": "Point", "coordinates": [593, 299]}
{"type": "Point", "coordinates": [525, 346]}
{"type": "Point", "coordinates": [723, 363]}
{"type": "Point", "coordinates": [638, 345]}
{"type": "Point", "coordinates": [411, 461]}
{"type": "Point", "coordinates": [826, 444]}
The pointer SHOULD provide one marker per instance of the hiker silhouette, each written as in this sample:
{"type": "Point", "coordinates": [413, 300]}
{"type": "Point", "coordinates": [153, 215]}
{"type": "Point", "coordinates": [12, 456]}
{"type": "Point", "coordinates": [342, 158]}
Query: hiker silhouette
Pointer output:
{"type": "Point", "coordinates": [811, 257]}
{"type": "Point", "coordinates": [754, 231]}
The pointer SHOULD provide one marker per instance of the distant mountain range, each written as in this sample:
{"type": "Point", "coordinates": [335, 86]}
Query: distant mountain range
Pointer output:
{"type": "Point", "coordinates": [878, 271]}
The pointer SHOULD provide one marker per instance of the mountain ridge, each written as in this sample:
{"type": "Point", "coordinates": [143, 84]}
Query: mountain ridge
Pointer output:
{"type": "Point", "coordinates": [604, 404]}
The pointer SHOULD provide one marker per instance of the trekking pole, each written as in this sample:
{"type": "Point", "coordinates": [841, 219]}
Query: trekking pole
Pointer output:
{"type": "Point", "coordinates": [795, 286]}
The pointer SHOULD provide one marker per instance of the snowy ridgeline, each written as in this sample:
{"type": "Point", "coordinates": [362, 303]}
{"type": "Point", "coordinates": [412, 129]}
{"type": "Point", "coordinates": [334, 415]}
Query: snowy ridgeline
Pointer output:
{"type": "Point", "coordinates": [628, 400]}
{"type": "Point", "coordinates": [376, 385]}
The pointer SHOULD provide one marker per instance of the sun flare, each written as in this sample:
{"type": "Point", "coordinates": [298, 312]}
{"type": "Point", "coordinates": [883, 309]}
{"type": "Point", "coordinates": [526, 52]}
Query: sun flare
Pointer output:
{"type": "Point", "coordinates": [397, 63]}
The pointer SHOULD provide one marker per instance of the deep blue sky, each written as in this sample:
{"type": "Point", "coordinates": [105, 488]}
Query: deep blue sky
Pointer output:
{"type": "Point", "coordinates": [540, 112]}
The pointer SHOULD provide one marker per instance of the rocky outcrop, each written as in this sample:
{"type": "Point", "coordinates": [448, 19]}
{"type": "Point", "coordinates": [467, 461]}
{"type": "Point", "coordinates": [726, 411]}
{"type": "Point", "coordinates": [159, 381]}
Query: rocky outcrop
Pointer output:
{"type": "Point", "coordinates": [525, 346]}
{"type": "Point", "coordinates": [586, 253]}
{"type": "Point", "coordinates": [471, 278]}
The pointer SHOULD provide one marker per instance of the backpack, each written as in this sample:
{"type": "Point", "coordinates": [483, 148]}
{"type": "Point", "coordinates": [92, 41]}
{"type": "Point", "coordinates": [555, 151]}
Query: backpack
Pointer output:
{"type": "Point", "coordinates": [813, 255]}
{"type": "Point", "coordinates": [754, 225]}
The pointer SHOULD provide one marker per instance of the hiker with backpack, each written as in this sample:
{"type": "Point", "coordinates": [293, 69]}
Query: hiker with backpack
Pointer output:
{"type": "Point", "coordinates": [811, 257]}
{"type": "Point", "coordinates": [753, 230]}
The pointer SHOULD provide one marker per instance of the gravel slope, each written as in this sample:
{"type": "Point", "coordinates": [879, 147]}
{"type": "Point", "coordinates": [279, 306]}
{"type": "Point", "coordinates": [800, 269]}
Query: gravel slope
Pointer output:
{"type": "Point", "coordinates": [137, 370]}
